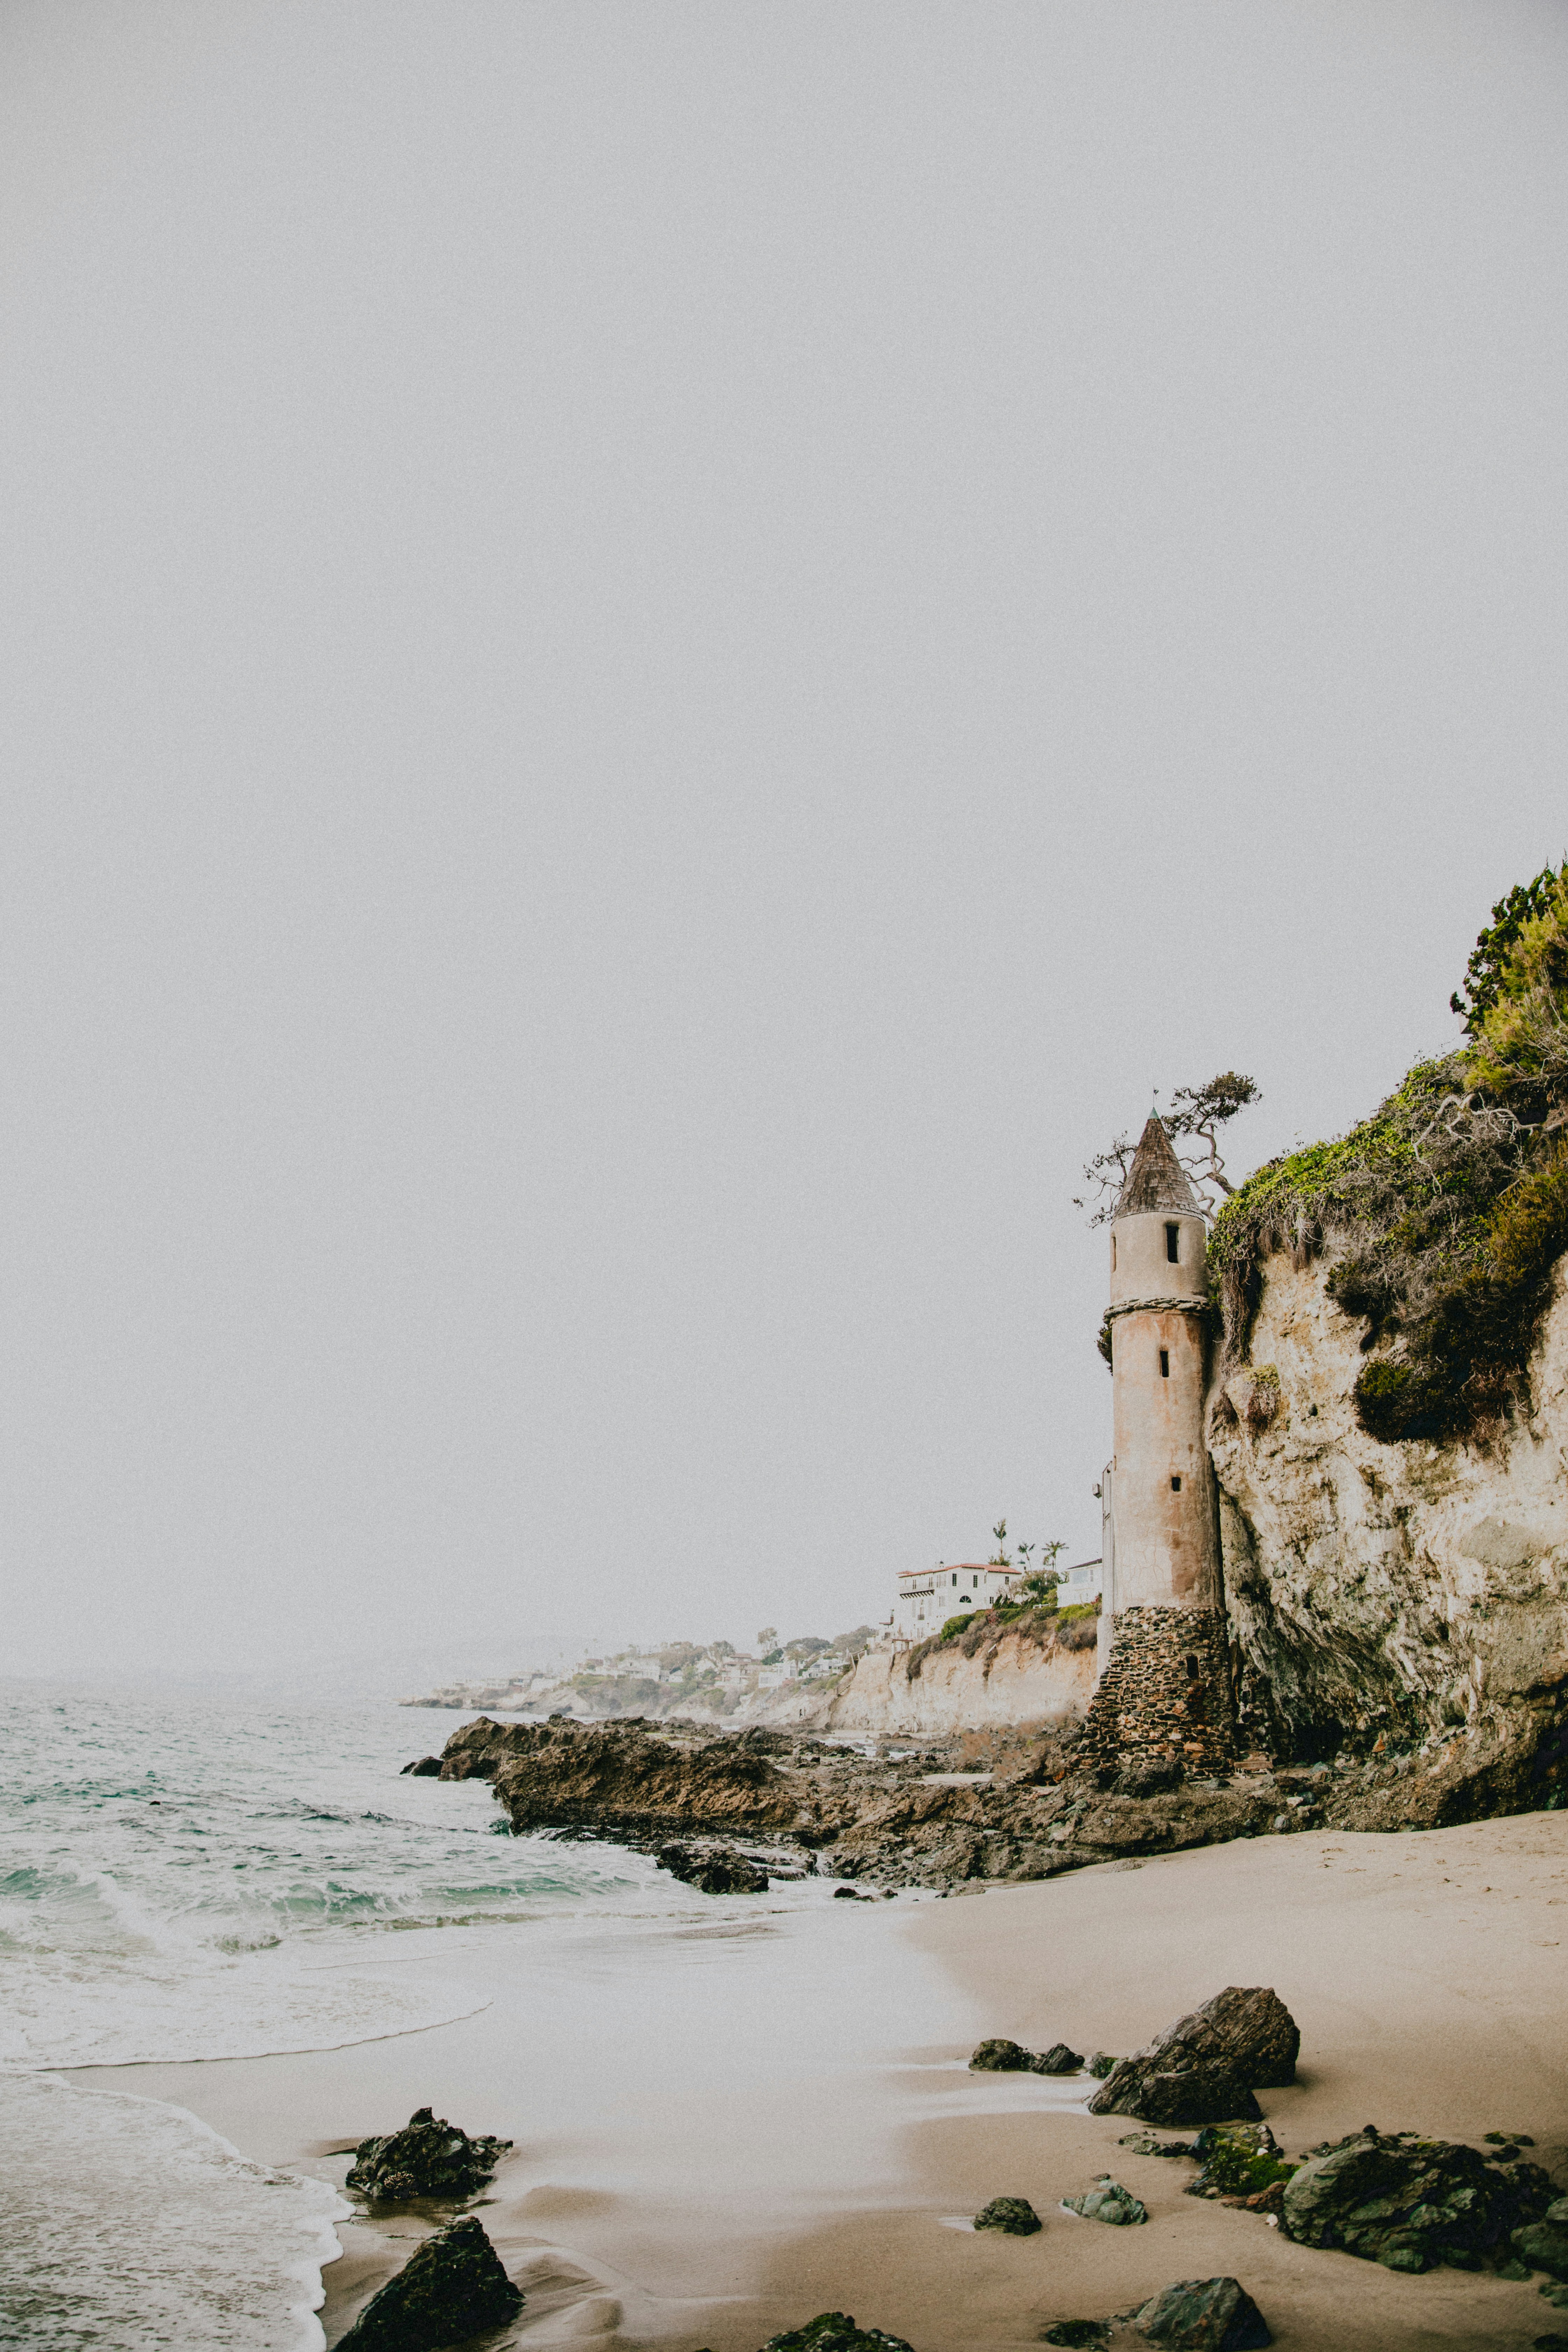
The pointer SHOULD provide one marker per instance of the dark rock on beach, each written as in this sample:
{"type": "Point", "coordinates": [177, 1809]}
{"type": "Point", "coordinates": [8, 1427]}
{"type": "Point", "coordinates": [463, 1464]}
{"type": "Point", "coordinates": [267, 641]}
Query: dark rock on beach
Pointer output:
{"type": "Point", "coordinates": [1205, 2067]}
{"type": "Point", "coordinates": [1014, 2216]}
{"type": "Point", "coordinates": [1409, 2202]}
{"type": "Point", "coordinates": [1059, 2060]}
{"type": "Point", "coordinates": [1544, 2245]}
{"type": "Point", "coordinates": [714, 1871]}
{"type": "Point", "coordinates": [834, 2331]}
{"type": "Point", "coordinates": [451, 2287]}
{"type": "Point", "coordinates": [1003, 2057]}
{"type": "Point", "coordinates": [426, 2159]}
{"type": "Point", "coordinates": [1214, 2314]}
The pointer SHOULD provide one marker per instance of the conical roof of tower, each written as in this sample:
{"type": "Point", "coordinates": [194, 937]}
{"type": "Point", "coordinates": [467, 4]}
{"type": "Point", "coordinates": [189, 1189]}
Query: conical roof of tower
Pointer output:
{"type": "Point", "coordinates": [1156, 1179]}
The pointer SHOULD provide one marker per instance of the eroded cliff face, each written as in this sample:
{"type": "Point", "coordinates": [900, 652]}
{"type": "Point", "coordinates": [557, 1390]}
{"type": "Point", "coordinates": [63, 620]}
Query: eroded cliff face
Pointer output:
{"type": "Point", "coordinates": [1015, 1681]}
{"type": "Point", "coordinates": [1406, 1591]}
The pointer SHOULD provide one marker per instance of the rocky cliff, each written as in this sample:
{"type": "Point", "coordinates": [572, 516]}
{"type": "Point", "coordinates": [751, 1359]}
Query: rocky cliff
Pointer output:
{"type": "Point", "coordinates": [1405, 1600]}
{"type": "Point", "coordinates": [1016, 1679]}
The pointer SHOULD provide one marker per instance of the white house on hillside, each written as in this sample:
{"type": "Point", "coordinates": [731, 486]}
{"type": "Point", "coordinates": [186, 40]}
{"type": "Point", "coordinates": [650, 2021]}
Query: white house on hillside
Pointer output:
{"type": "Point", "coordinates": [928, 1597]}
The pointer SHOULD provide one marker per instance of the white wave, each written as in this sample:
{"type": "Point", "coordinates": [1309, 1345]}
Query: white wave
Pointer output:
{"type": "Point", "coordinates": [128, 2223]}
{"type": "Point", "coordinates": [122, 2014]}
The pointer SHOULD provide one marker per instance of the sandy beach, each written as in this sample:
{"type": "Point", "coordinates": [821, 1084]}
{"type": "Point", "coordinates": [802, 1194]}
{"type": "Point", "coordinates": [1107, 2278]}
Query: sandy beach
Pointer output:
{"type": "Point", "coordinates": [723, 2129]}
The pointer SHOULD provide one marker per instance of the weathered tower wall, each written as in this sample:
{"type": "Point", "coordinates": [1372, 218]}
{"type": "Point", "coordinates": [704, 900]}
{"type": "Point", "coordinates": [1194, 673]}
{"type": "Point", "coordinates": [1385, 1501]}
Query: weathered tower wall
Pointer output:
{"type": "Point", "coordinates": [1164, 1690]}
{"type": "Point", "coordinates": [1166, 1553]}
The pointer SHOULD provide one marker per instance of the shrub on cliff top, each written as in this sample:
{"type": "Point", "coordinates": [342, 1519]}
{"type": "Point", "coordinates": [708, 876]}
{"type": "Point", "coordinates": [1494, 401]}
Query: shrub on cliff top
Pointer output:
{"type": "Point", "coordinates": [1449, 1206]}
{"type": "Point", "coordinates": [1522, 1035]}
{"type": "Point", "coordinates": [1492, 958]}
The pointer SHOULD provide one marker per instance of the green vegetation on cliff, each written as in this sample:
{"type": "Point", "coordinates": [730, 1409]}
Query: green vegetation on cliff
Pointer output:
{"type": "Point", "coordinates": [1448, 1207]}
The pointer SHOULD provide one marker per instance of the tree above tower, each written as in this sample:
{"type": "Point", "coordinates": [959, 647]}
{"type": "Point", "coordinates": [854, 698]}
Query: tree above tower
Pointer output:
{"type": "Point", "coordinates": [1195, 1117]}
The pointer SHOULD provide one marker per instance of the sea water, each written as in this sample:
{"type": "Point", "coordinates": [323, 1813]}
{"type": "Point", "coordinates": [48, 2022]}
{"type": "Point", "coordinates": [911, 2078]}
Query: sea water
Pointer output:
{"type": "Point", "coordinates": [190, 1879]}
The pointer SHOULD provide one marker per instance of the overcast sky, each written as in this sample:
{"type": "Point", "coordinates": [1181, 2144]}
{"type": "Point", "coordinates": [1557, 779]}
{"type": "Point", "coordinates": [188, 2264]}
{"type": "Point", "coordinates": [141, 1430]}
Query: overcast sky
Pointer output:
{"type": "Point", "coordinates": [658, 659]}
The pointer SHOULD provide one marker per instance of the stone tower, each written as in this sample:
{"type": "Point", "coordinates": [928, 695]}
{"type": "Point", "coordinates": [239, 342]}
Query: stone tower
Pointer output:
{"type": "Point", "coordinates": [1164, 1686]}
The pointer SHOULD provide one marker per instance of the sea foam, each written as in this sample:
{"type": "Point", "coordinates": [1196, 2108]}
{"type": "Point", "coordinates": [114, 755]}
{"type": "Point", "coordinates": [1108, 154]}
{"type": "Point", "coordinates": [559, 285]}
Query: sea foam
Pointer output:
{"type": "Point", "coordinates": [128, 2223]}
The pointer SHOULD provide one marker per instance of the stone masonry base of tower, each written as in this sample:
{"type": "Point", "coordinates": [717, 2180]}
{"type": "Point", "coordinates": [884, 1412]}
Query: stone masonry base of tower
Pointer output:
{"type": "Point", "coordinates": [1165, 1692]}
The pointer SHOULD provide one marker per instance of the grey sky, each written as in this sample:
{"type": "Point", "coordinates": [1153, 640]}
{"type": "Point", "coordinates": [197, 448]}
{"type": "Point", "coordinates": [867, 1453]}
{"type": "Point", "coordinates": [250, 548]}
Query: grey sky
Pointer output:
{"type": "Point", "coordinates": [658, 657]}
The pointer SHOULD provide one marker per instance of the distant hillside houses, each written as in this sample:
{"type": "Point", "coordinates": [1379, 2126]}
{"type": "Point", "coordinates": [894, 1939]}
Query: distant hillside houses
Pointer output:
{"type": "Point", "coordinates": [718, 1666]}
{"type": "Point", "coordinates": [712, 1677]}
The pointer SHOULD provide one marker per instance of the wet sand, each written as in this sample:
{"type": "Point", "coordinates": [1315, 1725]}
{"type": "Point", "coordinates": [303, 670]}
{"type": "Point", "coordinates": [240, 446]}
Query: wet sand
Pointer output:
{"type": "Point", "coordinates": [724, 2128]}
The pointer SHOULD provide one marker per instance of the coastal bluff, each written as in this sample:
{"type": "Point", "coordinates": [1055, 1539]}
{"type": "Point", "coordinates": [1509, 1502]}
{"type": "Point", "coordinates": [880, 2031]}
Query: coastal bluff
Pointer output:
{"type": "Point", "coordinates": [1400, 1604]}
{"type": "Point", "coordinates": [1009, 1679]}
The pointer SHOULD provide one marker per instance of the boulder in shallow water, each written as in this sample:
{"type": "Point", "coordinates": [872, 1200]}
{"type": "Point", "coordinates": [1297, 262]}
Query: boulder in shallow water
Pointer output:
{"type": "Point", "coordinates": [1003, 2057]}
{"type": "Point", "coordinates": [1205, 2067]}
{"type": "Point", "coordinates": [451, 2287]}
{"type": "Point", "coordinates": [1215, 2315]}
{"type": "Point", "coordinates": [1014, 2216]}
{"type": "Point", "coordinates": [835, 2331]}
{"type": "Point", "coordinates": [712, 1872]}
{"type": "Point", "coordinates": [1409, 2202]}
{"type": "Point", "coordinates": [428, 1768]}
{"type": "Point", "coordinates": [426, 2159]}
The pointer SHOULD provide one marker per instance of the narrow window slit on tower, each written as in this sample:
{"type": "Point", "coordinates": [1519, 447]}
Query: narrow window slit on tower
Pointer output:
{"type": "Point", "coordinates": [1165, 1363]}
{"type": "Point", "coordinates": [1175, 1486]}
{"type": "Point", "coordinates": [1174, 1243]}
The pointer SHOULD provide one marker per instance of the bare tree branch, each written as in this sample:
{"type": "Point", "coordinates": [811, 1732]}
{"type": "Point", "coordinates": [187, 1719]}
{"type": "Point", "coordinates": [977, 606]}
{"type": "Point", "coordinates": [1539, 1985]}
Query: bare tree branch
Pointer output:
{"type": "Point", "coordinates": [1196, 1115]}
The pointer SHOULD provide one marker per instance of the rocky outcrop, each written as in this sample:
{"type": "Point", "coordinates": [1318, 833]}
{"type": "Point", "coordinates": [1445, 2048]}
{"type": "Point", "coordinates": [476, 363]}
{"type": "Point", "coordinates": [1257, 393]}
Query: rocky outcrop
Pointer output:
{"type": "Point", "coordinates": [619, 1778]}
{"type": "Point", "coordinates": [1404, 1603]}
{"type": "Point", "coordinates": [426, 2159]}
{"type": "Point", "coordinates": [1409, 2202]}
{"type": "Point", "coordinates": [1205, 2067]}
{"type": "Point", "coordinates": [451, 2287]}
{"type": "Point", "coordinates": [884, 1820]}
{"type": "Point", "coordinates": [936, 1837]}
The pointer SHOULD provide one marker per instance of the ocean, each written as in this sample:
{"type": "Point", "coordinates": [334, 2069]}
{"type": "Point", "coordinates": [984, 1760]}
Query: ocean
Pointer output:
{"type": "Point", "coordinates": [183, 1878]}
